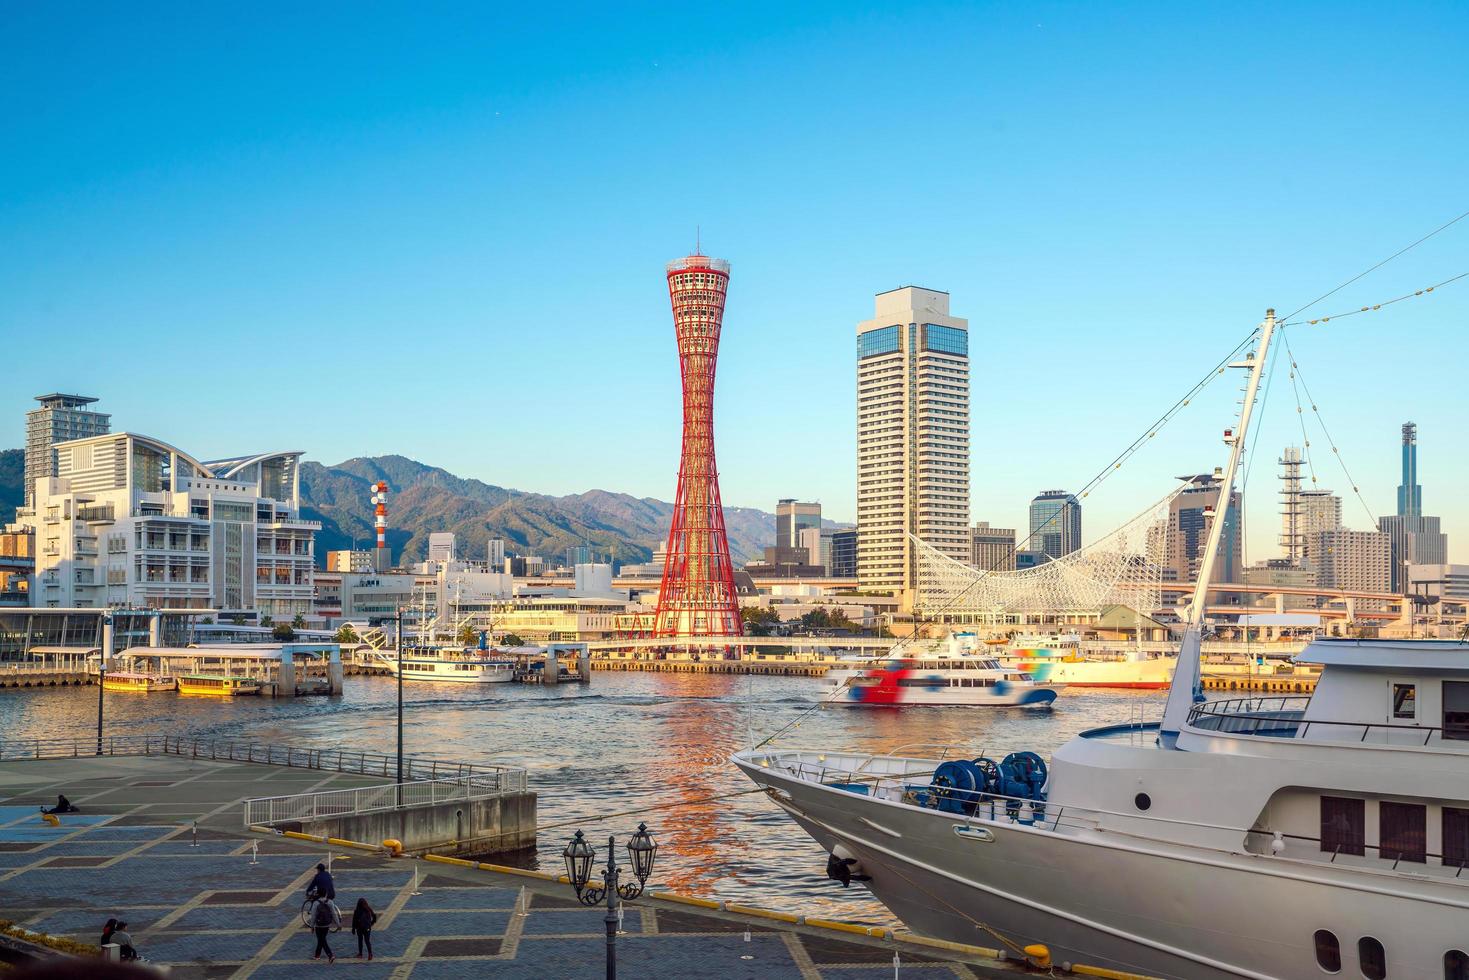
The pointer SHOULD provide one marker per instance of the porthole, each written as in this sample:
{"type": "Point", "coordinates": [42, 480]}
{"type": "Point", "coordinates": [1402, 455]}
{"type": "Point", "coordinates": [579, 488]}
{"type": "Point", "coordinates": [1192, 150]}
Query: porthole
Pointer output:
{"type": "Point", "coordinates": [1371, 958]}
{"type": "Point", "coordinates": [1456, 965]}
{"type": "Point", "coordinates": [1328, 951]}
{"type": "Point", "coordinates": [1142, 801]}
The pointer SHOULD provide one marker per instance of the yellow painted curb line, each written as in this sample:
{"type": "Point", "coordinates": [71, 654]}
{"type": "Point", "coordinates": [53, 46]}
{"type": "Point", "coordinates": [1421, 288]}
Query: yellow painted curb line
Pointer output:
{"type": "Point", "coordinates": [461, 862]}
{"type": "Point", "coordinates": [1102, 971]}
{"type": "Point", "coordinates": [299, 836]}
{"type": "Point", "coordinates": [843, 927]}
{"type": "Point", "coordinates": [703, 903]}
{"type": "Point", "coordinates": [762, 913]}
{"type": "Point", "coordinates": [910, 937]}
{"type": "Point", "coordinates": [261, 830]}
{"type": "Point", "coordinates": [506, 870]}
{"type": "Point", "coordinates": [339, 842]}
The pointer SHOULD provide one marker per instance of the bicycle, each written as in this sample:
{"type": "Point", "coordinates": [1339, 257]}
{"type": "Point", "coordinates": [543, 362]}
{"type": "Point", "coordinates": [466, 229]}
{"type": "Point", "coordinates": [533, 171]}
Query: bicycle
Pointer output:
{"type": "Point", "coordinates": [308, 913]}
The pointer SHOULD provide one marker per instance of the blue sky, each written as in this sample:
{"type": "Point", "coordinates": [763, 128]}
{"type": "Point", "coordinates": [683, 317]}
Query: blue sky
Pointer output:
{"type": "Point", "coordinates": [440, 231]}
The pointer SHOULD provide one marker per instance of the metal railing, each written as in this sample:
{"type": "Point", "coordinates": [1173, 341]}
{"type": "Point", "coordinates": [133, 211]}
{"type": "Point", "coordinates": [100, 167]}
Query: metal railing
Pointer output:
{"type": "Point", "coordinates": [305, 807]}
{"type": "Point", "coordinates": [1282, 717]}
{"type": "Point", "coordinates": [243, 750]}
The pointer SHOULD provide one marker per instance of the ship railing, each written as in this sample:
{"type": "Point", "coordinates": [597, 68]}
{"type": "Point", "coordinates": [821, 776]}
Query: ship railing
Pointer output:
{"type": "Point", "coordinates": [306, 807]}
{"type": "Point", "coordinates": [245, 750]}
{"type": "Point", "coordinates": [1396, 853]}
{"type": "Point", "coordinates": [1283, 717]}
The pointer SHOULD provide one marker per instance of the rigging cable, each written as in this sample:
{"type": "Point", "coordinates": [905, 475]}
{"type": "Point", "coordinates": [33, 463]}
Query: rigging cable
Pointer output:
{"type": "Point", "coordinates": [1379, 265]}
{"type": "Point", "coordinates": [1377, 306]}
{"type": "Point", "coordinates": [1356, 491]}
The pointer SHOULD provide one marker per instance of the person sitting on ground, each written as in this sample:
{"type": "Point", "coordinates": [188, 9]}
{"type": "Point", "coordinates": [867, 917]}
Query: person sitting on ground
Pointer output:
{"type": "Point", "coordinates": [124, 941]}
{"type": "Point", "coordinates": [322, 885]}
{"type": "Point", "coordinates": [63, 805]}
{"type": "Point", "coordinates": [107, 931]}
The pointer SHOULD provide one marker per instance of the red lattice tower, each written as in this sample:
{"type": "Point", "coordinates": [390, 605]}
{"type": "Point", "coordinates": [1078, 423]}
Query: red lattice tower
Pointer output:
{"type": "Point", "coordinates": [698, 593]}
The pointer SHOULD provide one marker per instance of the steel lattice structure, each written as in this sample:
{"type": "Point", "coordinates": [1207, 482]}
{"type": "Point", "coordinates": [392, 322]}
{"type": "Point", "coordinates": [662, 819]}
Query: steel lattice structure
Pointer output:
{"type": "Point", "coordinates": [698, 593]}
{"type": "Point", "coordinates": [1123, 568]}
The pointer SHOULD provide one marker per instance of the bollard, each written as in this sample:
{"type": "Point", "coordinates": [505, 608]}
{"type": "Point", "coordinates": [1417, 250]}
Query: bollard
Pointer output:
{"type": "Point", "coordinates": [747, 956]}
{"type": "Point", "coordinates": [254, 852]}
{"type": "Point", "coordinates": [897, 964]}
{"type": "Point", "coordinates": [415, 881]}
{"type": "Point", "coordinates": [328, 862]}
{"type": "Point", "coordinates": [195, 841]}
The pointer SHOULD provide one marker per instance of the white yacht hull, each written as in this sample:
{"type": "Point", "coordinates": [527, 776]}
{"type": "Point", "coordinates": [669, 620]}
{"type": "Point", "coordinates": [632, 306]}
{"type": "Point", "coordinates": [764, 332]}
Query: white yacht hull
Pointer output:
{"type": "Point", "coordinates": [1121, 901]}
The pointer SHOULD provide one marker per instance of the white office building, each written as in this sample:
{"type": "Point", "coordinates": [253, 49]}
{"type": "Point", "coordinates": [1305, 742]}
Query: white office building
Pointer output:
{"type": "Point", "coordinates": [441, 546]}
{"type": "Point", "coordinates": [912, 437]}
{"type": "Point", "coordinates": [129, 521]}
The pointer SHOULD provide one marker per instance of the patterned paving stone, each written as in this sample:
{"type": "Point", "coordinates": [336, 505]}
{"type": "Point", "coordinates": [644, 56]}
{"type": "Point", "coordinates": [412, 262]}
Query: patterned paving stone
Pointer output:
{"type": "Point", "coordinates": [450, 923]}
{"type": "Point", "coordinates": [214, 917]}
{"type": "Point", "coordinates": [363, 970]}
{"type": "Point", "coordinates": [489, 946]}
{"type": "Point", "coordinates": [583, 921]}
{"type": "Point", "coordinates": [200, 947]}
{"type": "Point", "coordinates": [460, 898]}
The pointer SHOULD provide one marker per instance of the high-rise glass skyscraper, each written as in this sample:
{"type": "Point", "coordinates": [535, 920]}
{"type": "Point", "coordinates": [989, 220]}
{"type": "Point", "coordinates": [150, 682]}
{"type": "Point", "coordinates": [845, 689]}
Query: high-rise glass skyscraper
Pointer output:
{"type": "Point", "coordinates": [791, 518]}
{"type": "Point", "coordinates": [1416, 539]}
{"type": "Point", "coordinates": [912, 437]}
{"type": "Point", "coordinates": [1410, 494]}
{"type": "Point", "coordinates": [1055, 524]}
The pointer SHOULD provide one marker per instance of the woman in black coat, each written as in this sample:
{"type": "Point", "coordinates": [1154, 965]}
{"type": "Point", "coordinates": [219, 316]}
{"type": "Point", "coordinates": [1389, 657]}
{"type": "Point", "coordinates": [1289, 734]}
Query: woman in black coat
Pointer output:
{"type": "Point", "coordinates": [363, 918]}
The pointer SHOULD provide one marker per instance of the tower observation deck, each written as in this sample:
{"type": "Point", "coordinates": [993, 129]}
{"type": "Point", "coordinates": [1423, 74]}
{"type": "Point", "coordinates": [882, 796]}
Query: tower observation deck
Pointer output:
{"type": "Point", "coordinates": [697, 597]}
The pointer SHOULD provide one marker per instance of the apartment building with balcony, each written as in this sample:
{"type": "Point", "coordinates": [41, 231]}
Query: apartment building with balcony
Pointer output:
{"type": "Point", "coordinates": [128, 521]}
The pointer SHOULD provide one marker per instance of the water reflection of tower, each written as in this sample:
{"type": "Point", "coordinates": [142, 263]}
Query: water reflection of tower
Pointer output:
{"type": "Point", "coordinates": [697, 596]}
{"type": "Point", "coordinates": [700, 834]}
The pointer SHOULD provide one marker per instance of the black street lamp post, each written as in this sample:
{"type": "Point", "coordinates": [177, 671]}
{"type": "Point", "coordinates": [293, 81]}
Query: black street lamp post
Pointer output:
{"type": "Point", "coordinates": [399, 642]}
{"type": "Point", "coordinates": [102, 677]}
{"type": "Point", "coordinates": [579, 856]}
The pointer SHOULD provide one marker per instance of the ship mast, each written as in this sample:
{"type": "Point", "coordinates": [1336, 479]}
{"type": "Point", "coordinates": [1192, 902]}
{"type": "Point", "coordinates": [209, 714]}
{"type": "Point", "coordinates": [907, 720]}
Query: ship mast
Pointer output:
{"type": "Point", "coordinates": [1187, 688]}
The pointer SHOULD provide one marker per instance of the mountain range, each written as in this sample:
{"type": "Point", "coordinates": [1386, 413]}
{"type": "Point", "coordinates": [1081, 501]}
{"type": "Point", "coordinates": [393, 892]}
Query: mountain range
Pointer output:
{"type": "Point", "coordinates": [424, 499]}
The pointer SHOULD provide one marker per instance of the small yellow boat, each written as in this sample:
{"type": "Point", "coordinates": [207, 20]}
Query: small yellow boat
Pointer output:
{"type": "Point", "coordinates": [218, 685]}
{"type": "Point", "coordinates": [137, 683]}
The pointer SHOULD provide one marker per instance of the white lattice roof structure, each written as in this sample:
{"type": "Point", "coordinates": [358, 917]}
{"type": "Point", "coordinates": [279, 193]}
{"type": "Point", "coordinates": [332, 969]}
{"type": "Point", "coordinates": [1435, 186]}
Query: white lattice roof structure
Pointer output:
{"type": "Point", "coordinates": [1124, 568]}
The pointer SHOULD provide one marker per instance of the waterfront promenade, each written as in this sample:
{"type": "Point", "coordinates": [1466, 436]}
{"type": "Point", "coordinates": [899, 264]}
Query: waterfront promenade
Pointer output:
{"type": "Point", "coordinates": [200, 906]}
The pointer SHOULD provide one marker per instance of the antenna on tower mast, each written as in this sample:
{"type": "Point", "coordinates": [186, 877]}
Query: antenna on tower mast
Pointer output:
{"type": "Point", "coordinates": [698, 240]}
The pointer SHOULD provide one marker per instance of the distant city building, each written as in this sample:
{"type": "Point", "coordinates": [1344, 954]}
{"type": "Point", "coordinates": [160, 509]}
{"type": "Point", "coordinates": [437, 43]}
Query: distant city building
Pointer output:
{"type": "Point", "coordinates": [1055, 523]}
{"type": "Point", "coordinates": [1187, 532]}
{"type": "Point", "coordinates": [129, 521]}
{"type": "Point", "coordinates": [1357, 561]}
{"type": "Point", "coordinates": [791, 518]}
{"type": "Point", "coordinates": [912, 437]}
{"type": "Point", "coordinates": [1030, 559]}
{"type": "Point", "coordinates": [1286, 573]}
{"type": "Point", "coordinates": [1416, 539]}
{"type": "Point", "coordinates": [843, 554]}
{"type": "Point", "coordinates": [441, 546]}
{"type": "Point", "coordinates": [594, 580]}
{"type": "Point", "coordinates": [1448, 583]}
{"type": "Point", "coordinates": [59, 419]}
{"type": "Point", "coordinates": [578, 554]}
{"type": "Point", "coordinates": [1410, 493]}
{"type": "Point", "coordinates": [349, 561]}
{"type": "Point", "coordinates": [1320, 510]}
{"type": "Point", "coordinates": [495, 553]}
{"type": "Point", "coordinates": [524, 566]}
{"type": "Point", "coordinates": [993, 548]}
{"type": "Point", "coordinates": [816, 542]}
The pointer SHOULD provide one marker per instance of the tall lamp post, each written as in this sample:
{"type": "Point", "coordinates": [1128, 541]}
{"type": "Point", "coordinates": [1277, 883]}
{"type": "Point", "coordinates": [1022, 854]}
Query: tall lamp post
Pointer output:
{"type": "Point", "coordinates": [579, 855]}
{"type": "Point", "coordinates": [399, 642]}
{"type": "Point", "coordinates": [102, 675]}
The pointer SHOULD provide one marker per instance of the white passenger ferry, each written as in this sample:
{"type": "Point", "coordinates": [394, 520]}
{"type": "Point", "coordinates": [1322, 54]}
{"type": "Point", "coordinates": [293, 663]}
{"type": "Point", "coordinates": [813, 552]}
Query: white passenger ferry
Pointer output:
{"type": "Point", "coordinates": [937, 678]}
{"type": "Point", "coordinates": [1060, 659]}
{"type": "Point", "coordinates": [449, 667]}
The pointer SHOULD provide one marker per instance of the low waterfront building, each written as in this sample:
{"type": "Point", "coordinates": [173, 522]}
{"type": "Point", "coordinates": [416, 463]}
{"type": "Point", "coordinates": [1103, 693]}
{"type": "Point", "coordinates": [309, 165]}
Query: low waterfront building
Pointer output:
{"type": "Point", "coordinates": [129, 521]}
{"type": "Point", "coordinates": [349, 561]}
{"type": "Point", "coordinates": [559, 619]}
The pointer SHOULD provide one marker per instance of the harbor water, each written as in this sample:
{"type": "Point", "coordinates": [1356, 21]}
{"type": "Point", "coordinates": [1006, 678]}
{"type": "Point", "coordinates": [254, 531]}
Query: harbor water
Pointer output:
{"type": "Point", "coordinates": [629, 747]}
